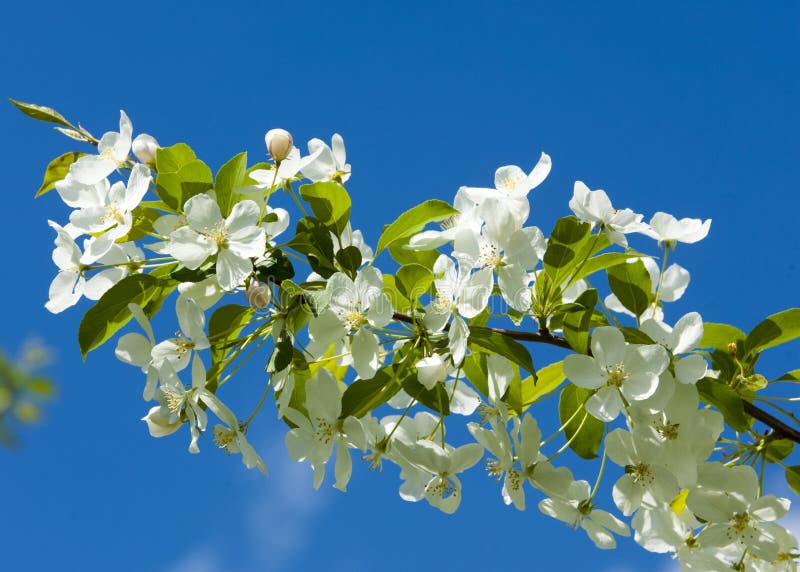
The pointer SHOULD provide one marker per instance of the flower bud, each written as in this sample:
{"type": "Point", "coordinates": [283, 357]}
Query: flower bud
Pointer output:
{"type": "Point", "coordinates": [258, 295]}
{"type": "Point", "coordinates": [279, 143]}
{"type": "Point", "coordinates": [144, 147]}
{"type": "Point", "coordinates": [431, 370]}
{"type": "Point", "coordinates": [732, 348]}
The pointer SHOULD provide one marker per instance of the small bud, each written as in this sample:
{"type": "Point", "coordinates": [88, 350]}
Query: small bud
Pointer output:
{"type": "Point", "coordinates": [279, 143]}
{"type": "Point", "coordinates": [732, 347]}
{"type": "Point", "coordinates": [145, 147]}
{"type": "Point", "coordinates": [258, 295]}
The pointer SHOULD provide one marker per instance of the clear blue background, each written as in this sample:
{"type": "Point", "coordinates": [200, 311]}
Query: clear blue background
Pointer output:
{"type": "Point", "coordinates": [678, 107]}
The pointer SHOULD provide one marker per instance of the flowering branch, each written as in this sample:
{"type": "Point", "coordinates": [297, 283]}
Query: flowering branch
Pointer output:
{"type": "Point", "coordinates": [670, 402]}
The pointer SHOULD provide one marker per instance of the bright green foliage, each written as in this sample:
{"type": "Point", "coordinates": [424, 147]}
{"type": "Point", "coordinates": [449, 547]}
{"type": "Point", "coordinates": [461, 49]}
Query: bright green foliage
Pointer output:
{"type": "Point", "coordinates": [414, 220]}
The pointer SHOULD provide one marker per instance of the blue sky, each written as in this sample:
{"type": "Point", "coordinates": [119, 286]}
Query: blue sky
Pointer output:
{"type": "Point", "coordinates": [686, 108]}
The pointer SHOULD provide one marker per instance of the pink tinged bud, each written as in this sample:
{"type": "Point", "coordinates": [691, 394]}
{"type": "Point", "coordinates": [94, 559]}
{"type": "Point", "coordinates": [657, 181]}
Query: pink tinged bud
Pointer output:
{"type": "Point", "coordinates": [145, 147]}
{"type": "Point", "coordinates": [279, 143]}
{"type": "Point", "coordinates": [258, 295]}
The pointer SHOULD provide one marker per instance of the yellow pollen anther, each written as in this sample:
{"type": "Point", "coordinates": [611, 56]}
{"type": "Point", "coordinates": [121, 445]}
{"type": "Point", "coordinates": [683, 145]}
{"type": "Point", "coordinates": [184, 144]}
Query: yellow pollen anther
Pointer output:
{"type": "Point", "coordinates": [668, 431]}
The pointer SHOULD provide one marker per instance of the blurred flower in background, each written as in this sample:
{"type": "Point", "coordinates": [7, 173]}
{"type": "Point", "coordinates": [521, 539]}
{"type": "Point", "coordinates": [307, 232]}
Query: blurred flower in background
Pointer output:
{"type": "Point", "coordinates": [23, 389]}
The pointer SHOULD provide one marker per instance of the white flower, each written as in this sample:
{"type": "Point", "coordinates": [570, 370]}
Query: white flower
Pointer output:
{"type": "Point", "coordinates": [431, 370]}
{"type": "Point", "coordinates": [506, 250]}
{"type": "Point", "coordinates": [683, 338]}
{"type": "Point", "coordinates": [443, 489]}
{"type": "Point", "coordinates": [351, 307]}
{"type": "Point", "coordinates": [528, 463]}
{"type": "Point", "coordinates": [646, 481]}
{"type": "Point", "coordinates": [178, 350]}
{"type": "Point", "coordinates": [121, 258]}
{"type": "Point", "coordinates": [786, 561]}
{"type": "Point", "coordinates": [315, 436]}
{"type": "Point", "coordinates": [468, 219]}
{"type": "Point", "coordinates": [684, 435]}
{"type": "Point", "coordinates": [595, 207]}
{"type": "Point", "coordinates": [69, 284]}
{"type": "Point", "coordinates": [205, 293]}
{"type": "Point", "coordinates": [576, 509]}
{"type": "Point", "coordinates": [510, 195]}
{"type": "Point", "coordinates": [616, 370]}
{"type": "Point", "coordinates": [233, 440]}
{"type": "Point", "coordinates": [673, 285]}
{"type": "Point", "coordinates": [234, 240]}
{"type": "Point", "coordinates": [108, 217]}
{"type": "Point", "coordinates": [665, 228]}
{"type": "Point", "coordinates": [727, 498]}
{"type": "Point", "coordinates": [275, 227]}
{"type": "Point", "coordinates": [327, 163]}
{"type": "Point", "coordinates": [458, 295]}
{"type": "Point", "coordinates": [135, 349]}
{"type": "Point", "coordinates": [663, 530]}
{"type": "Point", "coordinates": [176, 399]}
{"type": "Point", "coordinates": [112, 149]}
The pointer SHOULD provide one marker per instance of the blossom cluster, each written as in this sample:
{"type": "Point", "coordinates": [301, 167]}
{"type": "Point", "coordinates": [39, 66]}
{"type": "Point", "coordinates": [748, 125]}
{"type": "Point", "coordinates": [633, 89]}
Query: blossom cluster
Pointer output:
{"type": "Point", "coordinates": [418, 341]}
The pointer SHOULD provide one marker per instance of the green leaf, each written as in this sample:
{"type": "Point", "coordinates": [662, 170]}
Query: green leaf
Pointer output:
{"type": "Point", "coordinates": [778, 449]}
{"type": "Point", "coordinates": [142, 223]}
{"type": "Point", "coordinates": [171, 159]}
{"type": "Point", "coordinates": [589, 429]}
{"type": "Point", "coordinates": [230, 176]}
{"type": "Point", "coordinates": [41, 113]}
{"type": "Point", "coordinates": [576, 323]}
{"type": "Point", "coordinates": [792, 376]}
{"type": "Point", "coordinates": [397, 299]}
{"type": "Point", "coordinates": [282, 353]}
{"type": "Point", "coordinates": [793, 478]}
{"type": "Point", "coordinates": [474, 368]}
{"type": "Point", "coordinates": [494, 342]}
{"type": "Point", "coordinates": [436, 399]}
{"type": "Point", "coordinates": [414, 280]}
{"type": "Point", "coordinates": [111, 311]}
{"type": "Point", "coordinates": [365, 395]}
{"type": "Point", "coordinates": [718, 336]}
{"type": "Point", "coordinates": [276, 268]}
{"type": "Point", "coordinates": [330, 203]}
{"type": "Point", "coordinates": [602, 262]}
{"type": "Point", "coordinates": [403, 255]}
{"type": "Point", "coordinates": [349, 258]}
{"type": "Point", "coordinates": [225, 325]}
{"type": "Point", "coordinates": [191, 179]}
{"type": "Point", "coordinates": [569, 248]}
{"type": "Point", "coordinates": [631, 284]}
{"type": "Point", "coordinates": [727, 401]}
{"type": "Point", "coordinates": [548, 379]}
{"type": "Point", "coordinates": [57, 170]}
{"type": "Point", "coordinates": [775, 330]}
{"type": "Point", "coordinates": [413, 221]}
{"type": "Point", "coordinates": [569, 230]}
{"type": "Point", "coordinates": [636, 336]}
{"type": "Point", "coordinates": [313, 239]}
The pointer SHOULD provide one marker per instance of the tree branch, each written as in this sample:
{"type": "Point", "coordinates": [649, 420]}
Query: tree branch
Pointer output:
{"type": "Point", "coordinates": [779, 427]}
{"type": "Point", "coordinates": [544, 337]}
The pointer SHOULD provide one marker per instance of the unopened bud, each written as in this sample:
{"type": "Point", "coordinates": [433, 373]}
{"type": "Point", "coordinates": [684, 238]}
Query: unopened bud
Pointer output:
{"type": "Point", "coordinates": [732, 347]}
{"type": "Point", "coordinates": [258, 295]}
{"type": "Point", "coordinates": [145, 147]}
{"type": "Point", "coordinates": [279, 143]}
